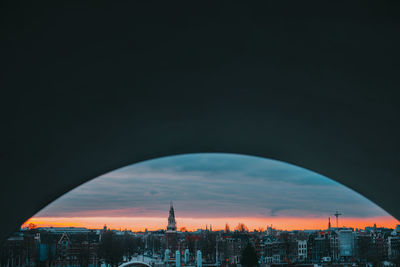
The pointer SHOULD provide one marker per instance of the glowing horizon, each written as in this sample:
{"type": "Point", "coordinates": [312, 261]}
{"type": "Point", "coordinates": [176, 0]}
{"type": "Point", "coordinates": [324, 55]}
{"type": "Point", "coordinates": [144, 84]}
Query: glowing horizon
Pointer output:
{"type": "Point", "coordinates": [212, 188]}
{"type": "Point", "coordinates": [192, 224]}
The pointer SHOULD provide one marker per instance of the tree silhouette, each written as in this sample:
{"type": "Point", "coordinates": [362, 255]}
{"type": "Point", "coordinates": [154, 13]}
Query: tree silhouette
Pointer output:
{"type": "Point", "coordinates": [227, 229]}
{"type": "Point", "coordinates": [111, 248]}
{"type": "Point", "coordinates": [241, 227]}
{"type": "Point", "coordinates": [249, 256]}
{"type": "Point", "coordinates": [84, 254]}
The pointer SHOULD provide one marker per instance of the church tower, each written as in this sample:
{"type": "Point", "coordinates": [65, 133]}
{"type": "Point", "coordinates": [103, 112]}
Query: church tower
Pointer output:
{"type": "Point", "coordinates": [171, 234]}
{"type": "Point", "coordinates": [171, 220]}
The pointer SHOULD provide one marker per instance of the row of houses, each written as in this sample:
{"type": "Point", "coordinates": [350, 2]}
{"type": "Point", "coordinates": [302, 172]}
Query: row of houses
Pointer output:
{"type": "Point", "coordinates": [80, 246]}
{"type": "Point", "coordinates": [336, 245]}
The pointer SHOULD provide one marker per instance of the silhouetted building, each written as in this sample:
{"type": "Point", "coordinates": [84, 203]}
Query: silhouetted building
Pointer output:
{"type": "Point", "coordinates": [346, 243]}
{"type": "Point", "coordinates": [76, 250]}
{"type": "Point", "coordinates": [318, 246]}
{"type": "Point", "coordinates": [171, 234]}
{"type": "Point", "coordinates": [393, 247]}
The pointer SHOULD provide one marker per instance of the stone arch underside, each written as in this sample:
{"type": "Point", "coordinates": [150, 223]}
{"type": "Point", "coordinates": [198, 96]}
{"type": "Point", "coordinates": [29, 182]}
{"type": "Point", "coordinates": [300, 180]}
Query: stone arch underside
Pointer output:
{"type": "Point", "coordinates": [317, 89]}
{"type": "Point", "coordinates": [135, 263]}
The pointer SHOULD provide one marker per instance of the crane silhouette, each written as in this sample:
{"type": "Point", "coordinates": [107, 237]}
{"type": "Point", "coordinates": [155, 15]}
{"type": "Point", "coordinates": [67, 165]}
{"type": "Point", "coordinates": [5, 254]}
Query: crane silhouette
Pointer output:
{"type": "Point", "coordinates": [337, 214]}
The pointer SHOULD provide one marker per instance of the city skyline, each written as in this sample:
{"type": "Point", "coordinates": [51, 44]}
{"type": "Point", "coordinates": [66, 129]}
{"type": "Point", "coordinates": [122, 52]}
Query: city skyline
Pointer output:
{"type": "Point", "coordinates": [193, 224]}
{"type": "Point", "coordinates": [212, 188]}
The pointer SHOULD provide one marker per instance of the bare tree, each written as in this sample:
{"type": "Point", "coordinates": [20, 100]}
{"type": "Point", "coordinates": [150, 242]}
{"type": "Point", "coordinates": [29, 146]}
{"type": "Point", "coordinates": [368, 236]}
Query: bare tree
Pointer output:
{"type": "Point", "coordinates": [241, 227]}
{"type": "Point", "coordinates": [227, 229]}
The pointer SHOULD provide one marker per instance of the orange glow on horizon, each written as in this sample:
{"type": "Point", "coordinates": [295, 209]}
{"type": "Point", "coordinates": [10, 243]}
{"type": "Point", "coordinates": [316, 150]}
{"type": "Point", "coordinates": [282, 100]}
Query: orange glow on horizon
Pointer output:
{"type": "Point", "coordinates": [156, 223]}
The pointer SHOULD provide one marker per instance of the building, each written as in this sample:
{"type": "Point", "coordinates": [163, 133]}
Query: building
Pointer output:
{"type": "Point", "coordinates": [171, 236]}
{"type": "Point", "coordinates": [302, 250]}
{"type": "Point", "coordinates": [318, 246]}
{"type": "Point", "coordinates": [18, 250]}
{"type": "Point", "coordinates": [346, 243]}
{"type": "Point", "coordinates": [334, 245]}
{"type": "Point", "coordinates": [363, 241]}
{"type": "Point", "coordinates": [393, 247]}
{"type": "Point", "coordinates": [76, 250]}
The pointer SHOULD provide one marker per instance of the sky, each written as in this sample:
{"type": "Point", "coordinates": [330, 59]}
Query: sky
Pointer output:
{"type": "Point", "coordinates": [212, 188]}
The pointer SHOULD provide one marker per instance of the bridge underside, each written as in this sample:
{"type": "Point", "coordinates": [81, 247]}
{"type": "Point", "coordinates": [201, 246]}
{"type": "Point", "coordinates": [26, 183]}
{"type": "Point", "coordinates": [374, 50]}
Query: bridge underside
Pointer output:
{"type": "Point", "coordinates": [135, 263]}
{"type": "Point", "coordinates": [139, 264]}
{"type": "Point", "coordinates": [315, 88]}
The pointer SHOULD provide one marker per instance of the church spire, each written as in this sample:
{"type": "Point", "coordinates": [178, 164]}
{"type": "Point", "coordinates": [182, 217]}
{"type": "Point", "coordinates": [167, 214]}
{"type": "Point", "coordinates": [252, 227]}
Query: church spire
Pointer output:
{"type": "Point", "coordinates": [171, 219]}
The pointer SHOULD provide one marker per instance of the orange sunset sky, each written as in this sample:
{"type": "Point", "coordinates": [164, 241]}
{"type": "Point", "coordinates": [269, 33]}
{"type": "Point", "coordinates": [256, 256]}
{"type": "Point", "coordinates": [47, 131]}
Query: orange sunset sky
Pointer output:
{"type": "Point", "coordinates": [154, 223]}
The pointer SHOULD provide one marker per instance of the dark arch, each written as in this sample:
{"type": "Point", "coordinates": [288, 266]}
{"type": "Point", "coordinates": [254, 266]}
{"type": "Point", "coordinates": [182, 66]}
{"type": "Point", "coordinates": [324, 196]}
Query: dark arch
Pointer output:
{"type": "Point", "coordinates": [90, 90]}
{"type": "Point", "coordinates": [135, 263]}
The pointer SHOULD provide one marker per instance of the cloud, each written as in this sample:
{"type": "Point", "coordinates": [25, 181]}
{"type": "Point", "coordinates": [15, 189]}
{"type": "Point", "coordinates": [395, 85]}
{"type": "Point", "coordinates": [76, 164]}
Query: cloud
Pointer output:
{"type": "Point", "coordinates": [212, 185]}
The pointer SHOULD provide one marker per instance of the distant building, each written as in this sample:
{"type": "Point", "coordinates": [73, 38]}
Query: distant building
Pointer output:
{"type": "Point", "coordinates": [318, 246]}
{"type": "Point", "coordinates": [76, 250]}
{"type": "Point", "coordinates": [334, 245]}
{"type": "Point", "coordinates": [230, 249]}
{"type": "Point", "coordinates": [393, 247]}
{"type": "Point", "coordinates": [363, 242]}
{"type": "Point", "coordinates": [302, 250]}
{"type": "Point", "coordinates": [171, 233]}
{"type": "Point", "coordinates": [270, 230]}
{"type": "Point", "coordinates": [346, 243]}
{"type": "Point", "coordinates": [68, 230]}
{"type": "Point", "coordinates": [18, 250]}
{"type": "Point", "coordinates": [380, 246]}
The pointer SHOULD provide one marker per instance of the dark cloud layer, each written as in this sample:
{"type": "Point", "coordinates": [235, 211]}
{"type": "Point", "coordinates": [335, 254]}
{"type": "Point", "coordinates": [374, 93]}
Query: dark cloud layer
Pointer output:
{"type": "Point", "coordinates": [212, 185]}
